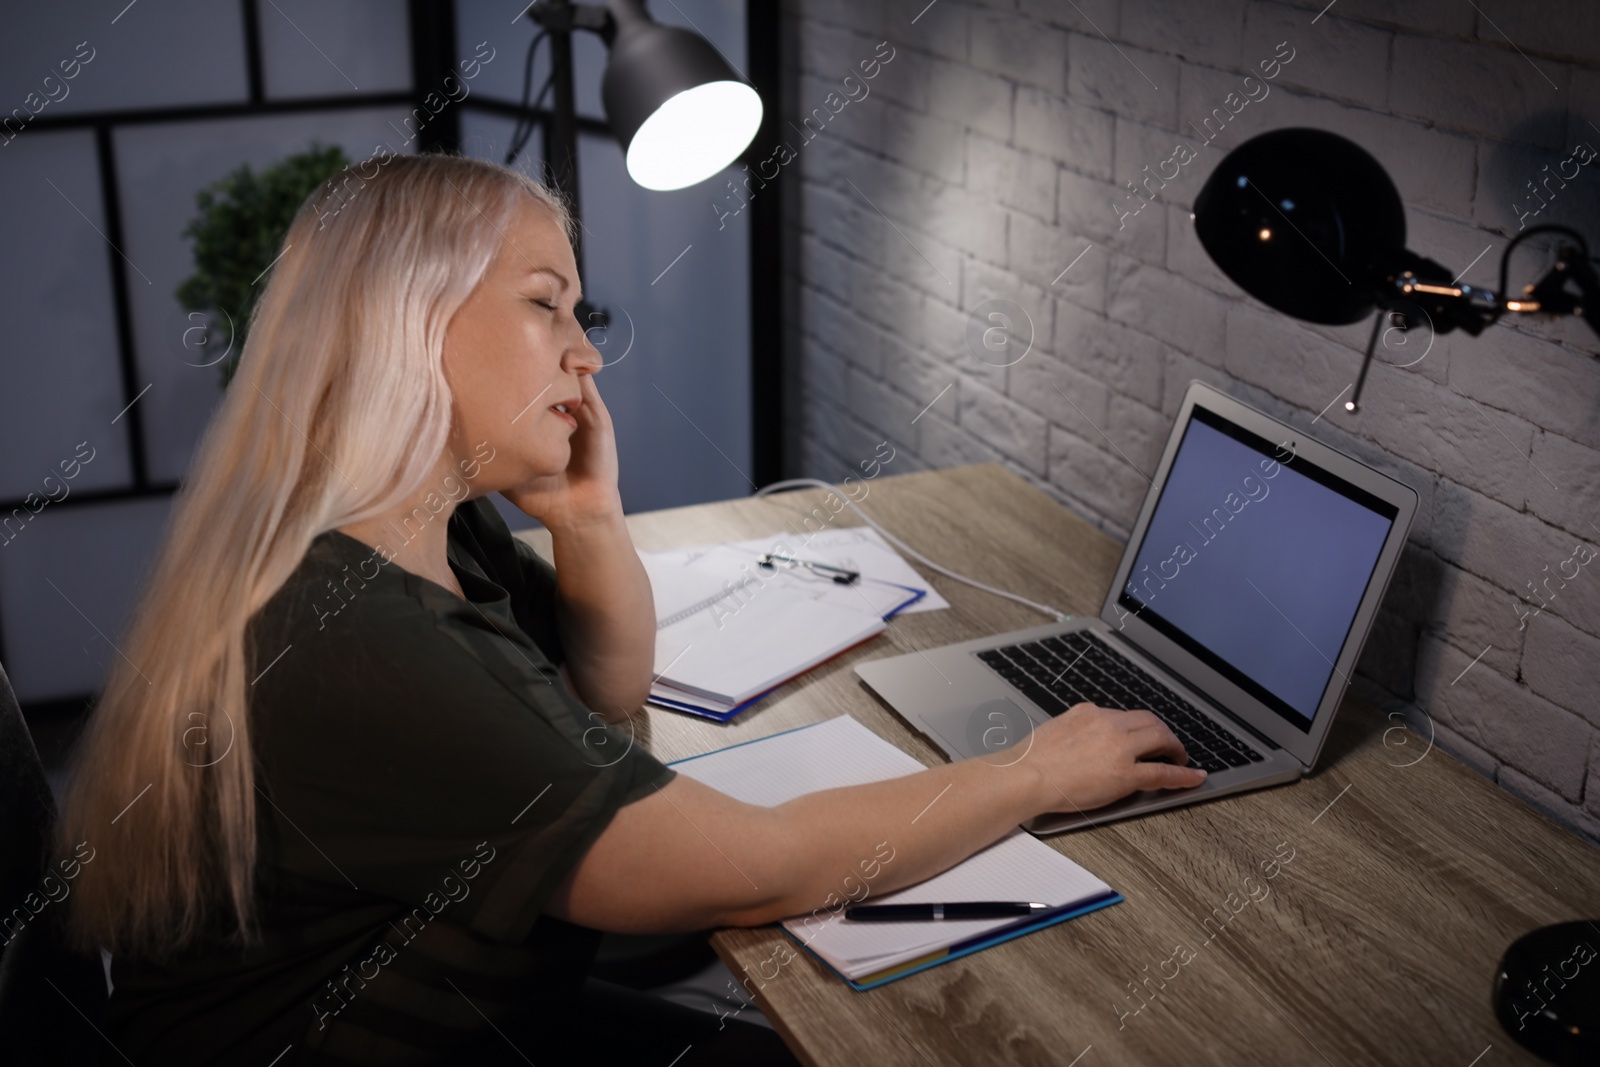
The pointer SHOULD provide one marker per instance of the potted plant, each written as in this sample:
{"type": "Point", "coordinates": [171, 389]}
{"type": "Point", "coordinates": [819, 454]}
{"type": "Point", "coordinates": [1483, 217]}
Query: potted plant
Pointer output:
{"type": "Point", "coordinates": [236, 235]}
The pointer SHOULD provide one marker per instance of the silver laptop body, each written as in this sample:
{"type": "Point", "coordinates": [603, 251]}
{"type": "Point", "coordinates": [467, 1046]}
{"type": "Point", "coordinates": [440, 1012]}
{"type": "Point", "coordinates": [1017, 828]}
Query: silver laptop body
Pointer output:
{"type": "Point", "coordinates": [1247, 644]}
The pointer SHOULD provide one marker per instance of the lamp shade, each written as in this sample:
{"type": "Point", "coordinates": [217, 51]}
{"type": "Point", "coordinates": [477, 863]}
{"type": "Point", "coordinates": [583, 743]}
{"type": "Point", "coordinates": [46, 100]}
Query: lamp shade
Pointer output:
{"type": "Point", "coordinates": [678, 109]}
{"type": "Point", "coordinates": [1305, 221]}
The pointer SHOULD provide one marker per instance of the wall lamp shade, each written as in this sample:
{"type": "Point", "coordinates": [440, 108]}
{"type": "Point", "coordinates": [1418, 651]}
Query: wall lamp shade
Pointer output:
{"type": "Point", "coordinates": [679, 110]}
{"type": "Point", "coordinates": [1305, 221]}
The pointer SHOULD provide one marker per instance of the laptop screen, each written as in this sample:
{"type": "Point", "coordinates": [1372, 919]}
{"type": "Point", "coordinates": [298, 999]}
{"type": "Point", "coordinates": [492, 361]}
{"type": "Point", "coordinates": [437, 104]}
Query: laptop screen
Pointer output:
{"type": "Point", "coordinates": [1255, 562]}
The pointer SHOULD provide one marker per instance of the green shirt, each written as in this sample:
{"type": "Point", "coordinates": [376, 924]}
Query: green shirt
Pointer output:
{"type": "Point", "coordinates": [426, 781]}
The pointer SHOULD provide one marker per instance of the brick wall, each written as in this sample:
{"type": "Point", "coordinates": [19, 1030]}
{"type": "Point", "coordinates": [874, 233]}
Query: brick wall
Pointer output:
{"type": "Point", "coordinates": [990, 153]}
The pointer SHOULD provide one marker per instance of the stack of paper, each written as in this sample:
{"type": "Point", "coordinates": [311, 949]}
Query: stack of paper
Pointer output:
{"type": "Point", "coordinates": [729, 630]}
{"type": "Point", "coordinates": [842, 752]}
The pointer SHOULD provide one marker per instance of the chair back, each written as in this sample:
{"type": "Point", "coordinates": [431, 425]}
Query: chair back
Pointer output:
{"type": "Point", "coordinates": [52, 1000]}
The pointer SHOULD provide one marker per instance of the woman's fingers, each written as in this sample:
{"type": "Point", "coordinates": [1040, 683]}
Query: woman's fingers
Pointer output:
{"type": "Point", "coordinates": [1167, 776]}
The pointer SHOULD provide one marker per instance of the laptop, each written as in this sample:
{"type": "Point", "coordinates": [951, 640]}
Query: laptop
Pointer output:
{"type": "Point", "coordinates": [1238, 611]}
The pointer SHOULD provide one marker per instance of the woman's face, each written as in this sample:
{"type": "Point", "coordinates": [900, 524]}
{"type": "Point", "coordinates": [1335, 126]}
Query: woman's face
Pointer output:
{"type": "Point", "coordinates": [515, 352]}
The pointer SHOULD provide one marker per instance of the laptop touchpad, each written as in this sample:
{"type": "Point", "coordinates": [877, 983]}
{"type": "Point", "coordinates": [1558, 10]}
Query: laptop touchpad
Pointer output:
{"type": "Point", "coordinates": [992, 727]}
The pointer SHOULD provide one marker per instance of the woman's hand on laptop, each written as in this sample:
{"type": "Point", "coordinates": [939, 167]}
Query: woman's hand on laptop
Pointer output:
{"type": "Point", "coordinates": [1089, 756]}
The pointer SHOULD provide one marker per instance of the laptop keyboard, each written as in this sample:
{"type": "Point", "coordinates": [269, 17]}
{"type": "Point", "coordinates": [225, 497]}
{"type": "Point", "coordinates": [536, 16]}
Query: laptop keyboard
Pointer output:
{"type": "Point", "coordinates": [1058, 672]}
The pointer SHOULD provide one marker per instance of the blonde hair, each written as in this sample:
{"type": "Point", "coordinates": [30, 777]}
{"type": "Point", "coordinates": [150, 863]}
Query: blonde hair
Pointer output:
{"type": "Point", "coordinates": [338, 412]}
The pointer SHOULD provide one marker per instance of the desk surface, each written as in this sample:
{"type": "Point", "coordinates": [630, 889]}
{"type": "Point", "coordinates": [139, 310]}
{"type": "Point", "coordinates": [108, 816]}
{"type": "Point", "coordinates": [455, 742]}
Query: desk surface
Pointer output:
{"type": "Point", "coordinates": [1377, 943]}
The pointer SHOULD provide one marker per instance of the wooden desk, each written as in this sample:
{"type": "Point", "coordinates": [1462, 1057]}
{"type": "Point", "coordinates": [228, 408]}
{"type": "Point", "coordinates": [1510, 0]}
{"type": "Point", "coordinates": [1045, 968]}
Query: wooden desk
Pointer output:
{"type": "Point", "coordinates": [1376, 944]}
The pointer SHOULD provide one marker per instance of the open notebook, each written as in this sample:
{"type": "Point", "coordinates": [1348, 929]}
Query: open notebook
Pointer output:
{"type": "Point", "coordinates": [841, 752]}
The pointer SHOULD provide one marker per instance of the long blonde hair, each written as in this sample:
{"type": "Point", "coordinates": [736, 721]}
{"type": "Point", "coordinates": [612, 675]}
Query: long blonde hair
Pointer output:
{"type": "Point", "coordinates": [339, 411]}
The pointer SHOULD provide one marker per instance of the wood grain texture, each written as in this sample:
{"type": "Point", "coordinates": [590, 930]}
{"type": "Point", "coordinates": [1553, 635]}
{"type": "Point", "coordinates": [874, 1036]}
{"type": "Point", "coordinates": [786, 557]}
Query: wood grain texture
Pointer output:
{"type": "Point", "coordinates": [1376, 943]}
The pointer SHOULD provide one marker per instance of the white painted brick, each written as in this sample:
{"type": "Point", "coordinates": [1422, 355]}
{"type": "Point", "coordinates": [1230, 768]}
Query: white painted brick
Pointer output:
{"type": "Point", "coordinates": [1474, 616]}
{"type": "Point", "coordinates": [1554, 387]}
{"type": "Point", "coordinates": [1019, 48]}
{"type": "Point", "coordinates": [1474, 446]}
{"type": "Point", "coordinates": [1337, 58]}
{"type": "Point", "coordinates": [1583, 107]}
{"type": "Point", "coordinates": [971, 98]}
{"type": "Point", "coordinates": [1108, 76]}
{"type": "Point", "coordinates": [945, 339]}
{"type": "Point", "coordinates": [827, 268]}
{"type": "Point", "coordinates": [922, 378]}
{"type": "Point", "coordinates": [1141, 151]}
{"type": "Point", "coordinates": [1273, 351]}
{"type": "Point", "coordinates": [1136, 432]}
{"type": "Point", "coordinates": [1520, 186]}
{"type": "Point", "coordinates": [1042, 255]}
{"type": "Point", "coordinates": [1077, 135]}
{"type": "Point", "coordinates": [825, 371]}
{"type": "Point", "coordinates": [906, 79]}
{"type": "Point", "coordinates": [1444, 18]}
{"type": "Point", "coordinates": [1568, 28]}
{"type": "Point", "coordinates": [1094, 209]}
{"type": "Point", "coordinates": [1511, 550]}
{"type": "Point", "coordinates": [944, 444]}
{"type": "Point", "coordinates": [982, 282]}
{"type": "Point", "coordinates": [843, 221]}
{"type": "Point", "coordinates": [1018, 179]}
{"type": "Point", "coordinates": [1201, 32]}
{"type": "Point", "coordinates": [842, 331]}
{"type": "Point", "coordinates": [1492, 91]}
{"type": "Point", "coordinates": [1102, 479]}
{"type": "Point", "coordinates": [1562, 663]}
{"type": "Point", "coordinates": [1003, 424]}
{"type": "Point", "coordinates": [1181, 369]}
{"type": "Point", "coordinates": [867, 16]}
{"type": "Point", "coordinates": [1165, 306]}
{"type": "Point", "coordinates": [1125, 360]}
{"type": "Point", "coordinates": [1591, 791]}
{"type": "Point", "coordinates": [923, 143]}
{"type": "Point", "coordinates": [1524, 730]}
{"type": "Point", "coordinates": [1571, 498]}
{"type": "Point", "coordinates": [941, 30]}
{"type": "Point", "coordinates": [1086, 16]}
{"type": "Point", "coordinates": [1065, 396]}
{"type": "Point", "coordinates": [878, 406]}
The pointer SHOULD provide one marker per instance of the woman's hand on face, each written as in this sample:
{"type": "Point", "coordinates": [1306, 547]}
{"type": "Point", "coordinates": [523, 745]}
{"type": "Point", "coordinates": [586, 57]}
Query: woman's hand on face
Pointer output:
{"type": "Point", "coordinates": [1089, 756]}
{"type": "Point", "coordinates": [586, 492]}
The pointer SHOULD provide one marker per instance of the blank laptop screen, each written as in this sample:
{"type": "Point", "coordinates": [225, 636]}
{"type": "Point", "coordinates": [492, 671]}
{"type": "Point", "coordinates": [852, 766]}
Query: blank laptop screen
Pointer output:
{"type": "Point", "coordinates": [1255, 562]}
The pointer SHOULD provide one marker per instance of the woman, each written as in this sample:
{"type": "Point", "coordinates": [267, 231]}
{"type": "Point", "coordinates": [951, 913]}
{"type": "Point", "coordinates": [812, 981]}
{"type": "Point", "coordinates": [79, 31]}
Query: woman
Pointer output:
{"type": "Point", "coordinates": [353, 790]}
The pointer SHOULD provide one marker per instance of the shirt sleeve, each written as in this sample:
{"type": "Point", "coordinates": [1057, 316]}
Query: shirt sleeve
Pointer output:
{"type": "Point", "coordinates": [418, 751]}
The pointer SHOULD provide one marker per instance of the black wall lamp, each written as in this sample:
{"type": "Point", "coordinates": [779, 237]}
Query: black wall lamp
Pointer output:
{"type": "Point", "coordinates": [1310, 224]}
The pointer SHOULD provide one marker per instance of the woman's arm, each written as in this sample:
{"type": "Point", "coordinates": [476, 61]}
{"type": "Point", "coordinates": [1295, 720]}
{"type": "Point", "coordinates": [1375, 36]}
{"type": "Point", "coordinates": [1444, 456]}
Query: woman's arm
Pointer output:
{"type": "Point", "coordinates": [606, 613]}
{"type": "Point", "coordinates": [690, 858]}
{"type": "Point", "coordinates": [604, 605]}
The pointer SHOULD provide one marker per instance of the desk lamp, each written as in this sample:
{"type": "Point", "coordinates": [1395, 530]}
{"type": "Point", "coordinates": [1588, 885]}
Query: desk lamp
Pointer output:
{"type": "Point", "coordinates": [1309, 223]}
{"type": "Point", "coordinates": [671, 99]}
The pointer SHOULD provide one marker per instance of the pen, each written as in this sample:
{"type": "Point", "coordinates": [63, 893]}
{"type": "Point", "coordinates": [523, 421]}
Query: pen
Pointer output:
{"type": "Point", "coordinates": [840, 575]}
{"type": "Point", "coordinates": [975, 909]}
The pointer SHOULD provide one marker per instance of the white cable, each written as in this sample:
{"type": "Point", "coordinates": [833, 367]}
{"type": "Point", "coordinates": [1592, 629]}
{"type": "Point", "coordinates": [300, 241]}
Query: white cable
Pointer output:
{"type": "Point", "coordinates": [907, 549]}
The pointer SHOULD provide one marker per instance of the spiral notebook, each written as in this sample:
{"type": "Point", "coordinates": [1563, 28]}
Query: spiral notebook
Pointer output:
{"type": "Point", "coordinates": [842, 752]}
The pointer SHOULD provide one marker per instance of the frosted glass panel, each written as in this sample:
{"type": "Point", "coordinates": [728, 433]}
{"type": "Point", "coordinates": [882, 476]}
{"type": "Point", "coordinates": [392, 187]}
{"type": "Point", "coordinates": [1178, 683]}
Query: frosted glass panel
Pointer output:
{"type": "Point", "coordinates": [161, 169]}
{"type": "Point", "coordinates": [60, 641]}
{"type": "Point", "coordinates": [314, 48]}
{"type": "Point", "coordinates": [154, 55]}
{"type": "Point", "coordinates": [659, 261]}
{"type": "Point", "coordinates": [61, 381]}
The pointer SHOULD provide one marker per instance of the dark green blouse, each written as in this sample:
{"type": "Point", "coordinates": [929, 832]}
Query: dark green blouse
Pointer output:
{"type": "Point", "coordinates": [425, 781]}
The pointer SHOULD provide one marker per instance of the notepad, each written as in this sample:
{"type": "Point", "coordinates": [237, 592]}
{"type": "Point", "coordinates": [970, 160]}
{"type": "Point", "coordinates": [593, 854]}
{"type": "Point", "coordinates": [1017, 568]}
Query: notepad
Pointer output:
{"type": "Point", "coordinates": [843, 752]}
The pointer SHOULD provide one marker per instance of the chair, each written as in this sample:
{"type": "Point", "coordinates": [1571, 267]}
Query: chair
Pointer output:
{"type": "Point", "coordinates": [52, 1000]}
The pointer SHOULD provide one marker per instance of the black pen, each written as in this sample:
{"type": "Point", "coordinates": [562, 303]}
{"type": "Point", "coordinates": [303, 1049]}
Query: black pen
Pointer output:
{"type": "Point", "coordinates": [842, 575]}
{"type": "Point", "coordinates": [975, 909]}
